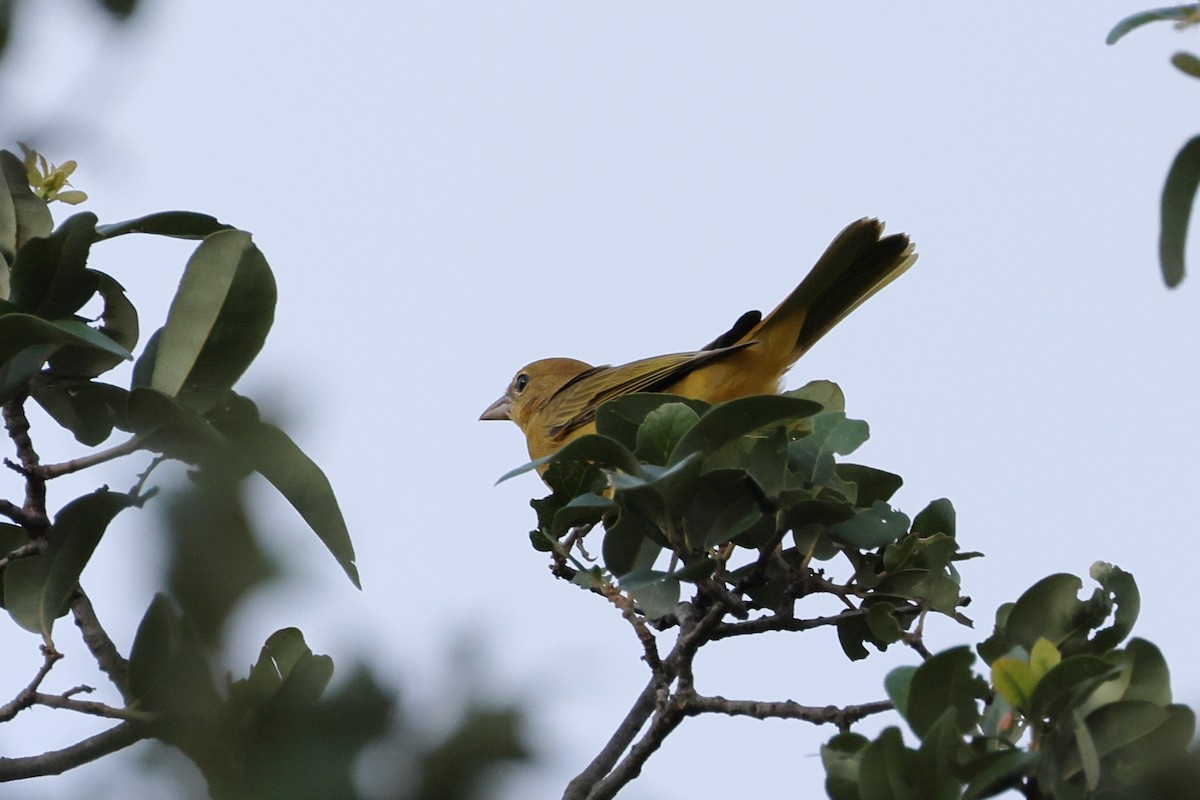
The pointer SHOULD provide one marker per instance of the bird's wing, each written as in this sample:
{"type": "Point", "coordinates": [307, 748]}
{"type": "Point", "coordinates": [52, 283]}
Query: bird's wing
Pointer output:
{"type": "Point", "coordinates": [576, 402]}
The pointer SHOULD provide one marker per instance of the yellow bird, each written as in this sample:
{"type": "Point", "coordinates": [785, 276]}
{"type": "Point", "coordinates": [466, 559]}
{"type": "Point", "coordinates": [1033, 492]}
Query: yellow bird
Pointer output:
{"type": "Point", "coordinates": [554, 400]}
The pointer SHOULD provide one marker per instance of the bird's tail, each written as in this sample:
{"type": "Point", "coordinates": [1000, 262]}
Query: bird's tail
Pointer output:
{"type": "Point", "coordinates": [858, 263]}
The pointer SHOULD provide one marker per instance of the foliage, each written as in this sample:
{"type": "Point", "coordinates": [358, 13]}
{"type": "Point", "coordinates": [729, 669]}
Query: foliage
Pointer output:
{"type": "Point", "coordinates": [1067, 713]}
{"type": "Point", "coordinates": [1183, 177]}
{"type": "Point", "coordinates": [279, 731]}
{"type": "Point", "coordinates": [741, 500]}
{"type": "Point", "coordinates": [752, 477]}
{"type": "Point", "coordinates": [744, 505]}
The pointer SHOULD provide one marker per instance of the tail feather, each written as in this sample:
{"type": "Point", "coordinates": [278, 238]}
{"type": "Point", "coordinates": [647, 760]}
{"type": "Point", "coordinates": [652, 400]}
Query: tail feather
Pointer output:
{"type": "Point", "coordinates": [858, 263]}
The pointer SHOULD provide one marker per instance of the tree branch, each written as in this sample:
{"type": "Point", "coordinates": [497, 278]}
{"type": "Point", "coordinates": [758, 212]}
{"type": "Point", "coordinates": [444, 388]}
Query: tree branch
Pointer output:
{"type": "Point", "coordinates": [778, 622]}
{"type": "Point", "coordinates": [581, 785]}
{"type": "Point", "coordinates": [666, 719]}
{"type": "Point", "coordinates": [843, 718]}
{"type": "Point", "coordinates": [110, 661]}
{"type": "Point", "coordinates": [17, 425]}
{"type": "Point", "coordinates": [57, 762]}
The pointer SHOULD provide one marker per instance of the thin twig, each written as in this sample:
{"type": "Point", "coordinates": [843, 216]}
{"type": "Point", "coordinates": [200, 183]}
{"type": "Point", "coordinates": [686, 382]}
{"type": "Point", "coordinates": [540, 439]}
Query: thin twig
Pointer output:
{"type": "Point", "coordinates": [131, 445]}
{"type": "Point", "coordinates": [629, 612]}
{"type": "Point", "coordinates": [27, 696]}
{"type": "Point", "coordinates": [31, 548]}
{"type": "Point", "coordinates": [59, 761]}
{"type": "Point", "coordinates": [90, 707]}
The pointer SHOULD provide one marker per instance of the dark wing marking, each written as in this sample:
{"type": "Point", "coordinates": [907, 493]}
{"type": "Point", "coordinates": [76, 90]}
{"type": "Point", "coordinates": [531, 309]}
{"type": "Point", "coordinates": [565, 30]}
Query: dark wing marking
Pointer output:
{"type": "Point", "coordinates": [744, 324]}
{"type": "Point", "coordinates": [579, 398]}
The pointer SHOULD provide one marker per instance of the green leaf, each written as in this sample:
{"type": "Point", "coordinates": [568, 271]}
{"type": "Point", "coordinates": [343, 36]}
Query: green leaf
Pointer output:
{"type": "Point", "coordinates": [1145, 17]}
{"type": "Point", "coordinates": [88, 410]}
{"type": "Point", "coordinates": [937, 517]}
{"type": "Point", "coordinates": [631, 545]}
{"type": "Point", "coordinates": [723, 506]}
{"type": "Point", "coordinates": [662, 495]}
{"type": "Point", "coordinates": [582, 510]}
{"type": "Point", "coordinates": [728, 421]}
{"type": "Point", "coordinates": [998, 772]}
{"type": "Point", "coordinates": [874, 485]}
{"type": "Point", "coordinates": [621, 417]}
{"type": "Point", "coordinates": [23, 215]}
{"type": "Point", "coordinates": [881, 619]}
{"type": "Point", "coordinates": [20, 368]}
{"type": "Point", "coordinates": [169, 673]}
{"type": "Point", "coordinates": [887, 769]}
{"type": "Point", "coordinates": [277, 458]}
{"type": "Point", "coordinates": [812, 456]}
{"type": "Point", "coordinates": [1044, 657]}
{"type": "Point", "coordinates": [1088, 756]}
{"type": "Point", "coordinates": [36, 589]}
{"type": "Point", "coordinates": [1187, 63]}
{"type": "Point", "coordinates": [288, 670]}
{"type": "Point", "coordinates": [1069, 684]}
{"type": "Point", "coordinates": [656, 593]}
{"type": "Point", "coordinates": [840, 757]}
{"type": "Point", "coordinates": [871, 527]}
{"type": "Point", "coordinates": [1123, 591]}
{"type": "Point", "coordinates": [177, 432]}
{"type": "Point", "coordinates": [1050, 608]}
{"type": "Point", "coordinates": [177, 224]}
{"type": "Point", "coordinates": [26, 341]}
{"type": "Point", "coordinates": [662, 430]}
{"type": "Point", "coordinates": [945, 681]}
{"type": "Point", "coordinates": [897, 684]}
{"type": "Point", "coordinates": [1117, 725]}
{"type": "Point", "coordinates": [11, 537]}
{"type": "Point", "coordinates": [1150, 679]}
{"type": "Point", "coordinates": [1015, 680]}
{"type": "Point", "coordinates": [590, 447]}
{"type": "Point", "coordinates": [218, 320]}
{"type": "Point", "coordinates": [118, 321]}
{"type": "Point", "coordinates": [1179, 193]}
{"type": "Point", "coordinates": [825, 393]}
{"type": "Point", "coordinates": [50, 276]}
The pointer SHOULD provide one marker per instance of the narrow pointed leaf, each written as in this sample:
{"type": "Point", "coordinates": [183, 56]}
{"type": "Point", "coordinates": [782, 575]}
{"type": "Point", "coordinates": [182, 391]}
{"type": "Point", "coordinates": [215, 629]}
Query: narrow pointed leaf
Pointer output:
{"type": "Point", "coordinates": [177, 224]}
{"type": "Point", "coordinates": [1134, 21]}
{"type": "Point", "coordinates": [50, 276]}
{"type": "Point", "coordinates": [23, 215]}
{"type": "Point", "coordinates": [207, 285]}
{"type": "Point", "coordinates": [1179, 193]}
{"type": "Point", "coordinates": [273, 454]}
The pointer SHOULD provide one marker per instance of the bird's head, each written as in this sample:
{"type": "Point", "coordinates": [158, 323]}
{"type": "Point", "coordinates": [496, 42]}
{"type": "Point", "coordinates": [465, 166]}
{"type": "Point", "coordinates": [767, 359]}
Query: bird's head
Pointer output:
{"type": "Point", "coordinates": [530, 388]}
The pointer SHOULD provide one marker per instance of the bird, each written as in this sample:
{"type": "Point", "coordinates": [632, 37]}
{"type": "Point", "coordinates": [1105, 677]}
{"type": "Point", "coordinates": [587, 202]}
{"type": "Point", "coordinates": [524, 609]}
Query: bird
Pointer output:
{"type": "Point", "coordinates": [554, 400]}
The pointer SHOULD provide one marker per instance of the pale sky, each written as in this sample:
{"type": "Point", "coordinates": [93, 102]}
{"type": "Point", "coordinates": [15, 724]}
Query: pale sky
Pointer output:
{"type": "Point", "coordinates": [448, 190]}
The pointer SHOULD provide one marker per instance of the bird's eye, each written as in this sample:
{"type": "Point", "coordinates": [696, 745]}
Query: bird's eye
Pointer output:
{"type": "Point", "coordinates": [521, 382]}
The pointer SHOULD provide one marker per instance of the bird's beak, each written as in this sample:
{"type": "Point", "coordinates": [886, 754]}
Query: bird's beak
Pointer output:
{"type": "Point", "coordinates": [498, 409]}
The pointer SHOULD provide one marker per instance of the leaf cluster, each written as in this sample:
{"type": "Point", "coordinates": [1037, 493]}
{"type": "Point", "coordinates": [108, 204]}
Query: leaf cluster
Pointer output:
{"type": "Point", "coordinates": [1183, 177]}
{"type": "Point", "coordinates": [180, 400]}
{"type": "Point", "coordinates": [748, 495]}
{"type": "Point", "coordinates": [1067, 714]}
